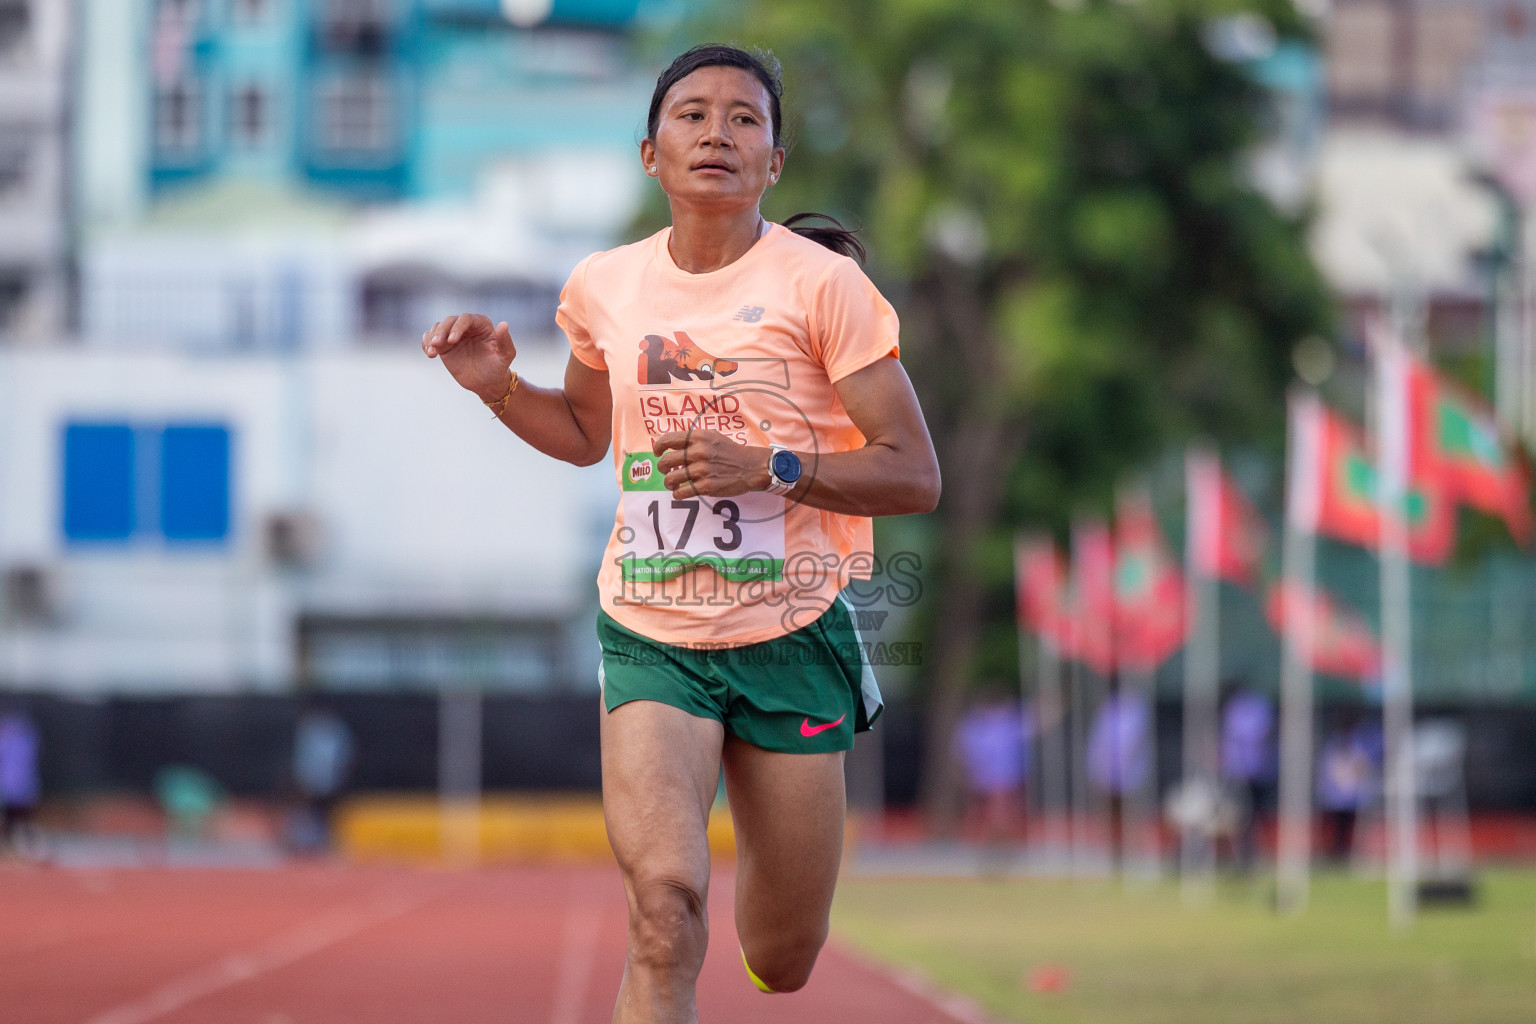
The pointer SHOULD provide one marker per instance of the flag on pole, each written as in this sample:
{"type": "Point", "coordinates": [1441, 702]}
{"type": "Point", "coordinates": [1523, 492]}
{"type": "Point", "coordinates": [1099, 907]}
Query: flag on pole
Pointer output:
{"type": "Point", "coordinates": [1229, 538]}
{"type": "Point", "coordinates": [1327, 454]}
{"type": "Point", "coordinates": [1040, 580]}
{"type": "Point", "coordinates": [1293, 850]}
{"type": "Point", "coordinates": [1431, 521]}
{"type": "Point", "coordinates": [1093, 570]}
{"type": "Point", "coordinates": [1347, 480]}
{"type": "Point", "coordinates": [1343, 643]}
{"type": "Point", "coordinates": [1149, 589]}
{"type": "Point", "coordinates": [1455, 438]}
{"type": "Point", "coordinates": [1347, 507]}
{"type": "Point", "coordinates": [1213, 550]}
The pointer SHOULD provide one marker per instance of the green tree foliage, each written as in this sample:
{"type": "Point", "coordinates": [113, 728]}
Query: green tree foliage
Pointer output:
{"type": "Point", "coordinates": [1057, 199]}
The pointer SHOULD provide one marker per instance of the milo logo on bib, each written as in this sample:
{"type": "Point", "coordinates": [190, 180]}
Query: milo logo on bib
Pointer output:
{"type": "Point", "coordinates": [741, 538]}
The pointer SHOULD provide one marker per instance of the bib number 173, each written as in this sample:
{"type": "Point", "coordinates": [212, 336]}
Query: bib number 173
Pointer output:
{"type": "Point", "coordinates": [660, 536]}
{"type": "Point", "coordinates": [726, 511]}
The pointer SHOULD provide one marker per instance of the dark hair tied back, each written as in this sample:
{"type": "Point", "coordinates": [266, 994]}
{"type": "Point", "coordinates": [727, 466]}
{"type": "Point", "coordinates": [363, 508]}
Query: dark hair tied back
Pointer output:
{"type": "Point", "coordinates": [763, 66]}
{"type": "Point", "coordinates": [837, 238]}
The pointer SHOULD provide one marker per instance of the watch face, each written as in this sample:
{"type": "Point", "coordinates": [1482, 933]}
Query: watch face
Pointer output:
{"type": "Point", "coordinates": [786, 466]}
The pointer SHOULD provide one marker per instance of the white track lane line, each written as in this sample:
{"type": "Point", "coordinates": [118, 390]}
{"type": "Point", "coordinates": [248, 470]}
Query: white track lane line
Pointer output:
{"type": "Point", "coordinates": [291, 946]}
{"type": "Point", "coordinates": [578, 950]}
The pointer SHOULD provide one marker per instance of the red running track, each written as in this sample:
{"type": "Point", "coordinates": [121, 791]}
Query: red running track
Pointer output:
{"type": "Point", "coordinates": [322, 944]}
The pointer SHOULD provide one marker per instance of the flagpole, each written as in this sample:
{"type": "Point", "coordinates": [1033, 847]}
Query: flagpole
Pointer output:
{"type": "Point", "coordinates": [1032, 796]}
{"type": "Point", "coordinates": [1078, 679]}
{"type": "Point", "coordinates": [1137, 675]}
{"type": "Point", "coordinates": [1043, 608]}
{"type": "Point", "coordinates": [1078, 682]}
{"type": "Point", "coordinates": [1526, 429]}
{"type": "Point", "coordinates": [1396, 630]}
{"type": "Point", "coordinates": [1138, 810]}
{"type": "Point", "coordinates": [1510, 292]}
{"type": "Point", "coordinates": [1293, 860]}
{"type": "Point", "coordinates": [1051, 723]}
{"type": "Point", "coordinates": [1197, 860]}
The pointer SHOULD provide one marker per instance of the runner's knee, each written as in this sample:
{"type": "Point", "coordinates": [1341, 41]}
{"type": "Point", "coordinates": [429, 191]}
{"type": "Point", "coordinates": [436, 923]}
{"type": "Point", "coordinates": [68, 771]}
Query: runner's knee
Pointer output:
{"type": "Point", "coordinates": [668, 929]}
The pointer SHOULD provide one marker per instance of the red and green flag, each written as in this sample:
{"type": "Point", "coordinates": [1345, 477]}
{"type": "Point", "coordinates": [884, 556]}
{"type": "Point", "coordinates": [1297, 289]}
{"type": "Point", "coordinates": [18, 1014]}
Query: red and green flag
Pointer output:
{"type": "Point", "coordinates": [1093, 590]}
{"type": "Point", "coordinates": [1346, 506]}
{"type": "Point", "coordinates": [1455, 438]}
{"type": "Point", "coordinates": [1040, 579]}
{"type": "Point", "coordinates": [1343, 643]}
{"type": "Point", "coordinates": [1346, 490]}
{"type": "Point", "coordinates": [1149, 589]}
{"type": "Point", "coordinates": [1227, 537]}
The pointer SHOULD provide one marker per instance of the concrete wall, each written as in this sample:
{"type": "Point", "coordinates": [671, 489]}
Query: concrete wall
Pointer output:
{"type": "Point", "coordinates": [425, 507]}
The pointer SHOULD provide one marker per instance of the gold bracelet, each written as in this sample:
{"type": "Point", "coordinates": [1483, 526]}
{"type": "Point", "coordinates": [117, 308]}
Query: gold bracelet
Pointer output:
{"type": "Point", "coordinates": [500, 405]}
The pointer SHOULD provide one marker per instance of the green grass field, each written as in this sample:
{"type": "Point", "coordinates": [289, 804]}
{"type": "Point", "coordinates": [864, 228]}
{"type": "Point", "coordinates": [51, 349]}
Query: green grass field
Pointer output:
{"type": "Point", "coordinates": [1141, 957]}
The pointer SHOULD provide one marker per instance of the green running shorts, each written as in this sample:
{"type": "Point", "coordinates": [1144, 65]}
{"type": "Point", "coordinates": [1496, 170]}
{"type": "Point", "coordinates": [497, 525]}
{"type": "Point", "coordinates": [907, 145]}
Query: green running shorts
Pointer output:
{"type": "Point", "coordinates": [806, 692]}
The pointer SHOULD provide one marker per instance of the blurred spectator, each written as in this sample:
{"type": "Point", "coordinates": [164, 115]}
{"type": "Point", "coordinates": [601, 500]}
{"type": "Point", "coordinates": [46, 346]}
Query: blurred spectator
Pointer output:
{"type": "Point", "coordinates": [1119, 756]}
{"type": "Point", "coordinates": [1348, 778]}
{"type": "Point", "coordinates": [19, 784]}
{"type": "Point", "coordinates": [992, 742]}
{"type": "Point", "coordinates": [1248, 763]}
{"type": "Point", "coordinates": [189, 796]}
{"type": "Point", "coordinates": [322, 760]}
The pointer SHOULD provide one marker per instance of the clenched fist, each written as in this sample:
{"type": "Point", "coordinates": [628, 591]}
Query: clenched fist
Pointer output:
{"type": "Point", "coordinates": [709, 464]}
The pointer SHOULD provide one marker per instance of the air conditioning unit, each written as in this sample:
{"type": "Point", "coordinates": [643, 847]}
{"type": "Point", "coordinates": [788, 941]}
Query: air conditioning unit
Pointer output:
{"type": "Point", "coordinates": [29, 595]}
{"type": "Point", "coordinates": [292, 539]}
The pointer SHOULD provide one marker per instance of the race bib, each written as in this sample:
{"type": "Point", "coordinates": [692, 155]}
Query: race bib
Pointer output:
{"type": "Point", "coordinates": [741, 538]}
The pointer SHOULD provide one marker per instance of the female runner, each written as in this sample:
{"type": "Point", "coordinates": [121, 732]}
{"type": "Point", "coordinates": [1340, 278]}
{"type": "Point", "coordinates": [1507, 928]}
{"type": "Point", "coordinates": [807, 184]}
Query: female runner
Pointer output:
{"type": "Point", "coordinates": [747, 379]}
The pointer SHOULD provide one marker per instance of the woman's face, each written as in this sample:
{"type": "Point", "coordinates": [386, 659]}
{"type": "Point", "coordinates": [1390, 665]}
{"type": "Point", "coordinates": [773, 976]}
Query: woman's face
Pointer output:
{"type": "Point", "coordinates": [714, 140]}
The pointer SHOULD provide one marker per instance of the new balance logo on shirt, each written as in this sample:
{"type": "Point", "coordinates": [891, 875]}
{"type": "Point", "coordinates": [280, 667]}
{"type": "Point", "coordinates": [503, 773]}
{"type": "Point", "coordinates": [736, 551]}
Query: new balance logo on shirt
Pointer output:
{"type": "Point", "coordinates": [749, 314]}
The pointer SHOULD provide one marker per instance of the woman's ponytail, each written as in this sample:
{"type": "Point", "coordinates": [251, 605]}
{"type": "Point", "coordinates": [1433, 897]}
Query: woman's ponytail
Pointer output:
{"type": "Point", "coordinates": [839, 239]}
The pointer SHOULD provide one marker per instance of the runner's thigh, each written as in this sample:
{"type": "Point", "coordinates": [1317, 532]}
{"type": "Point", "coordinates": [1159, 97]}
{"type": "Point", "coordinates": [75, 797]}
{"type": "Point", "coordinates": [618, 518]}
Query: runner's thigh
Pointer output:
{"type": "Point", "coordinates": [661, 767]}
{"type": "Point", "coordinates": [788, 811]}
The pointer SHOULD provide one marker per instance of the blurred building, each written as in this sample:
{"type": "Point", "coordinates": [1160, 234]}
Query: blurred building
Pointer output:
{"type": "Point", "coordinates": [1410, 63]}
{"type": "Point", "coordinates": [1413, 220]}
{"type": "Point", "coordinates": [240, 472]}
{"type": "Point", "coordinates": [1405, 228]}
{"type": "Point", "coordinates": [34, 87]}
{"type": "Point", "coordinates": [278, 174]}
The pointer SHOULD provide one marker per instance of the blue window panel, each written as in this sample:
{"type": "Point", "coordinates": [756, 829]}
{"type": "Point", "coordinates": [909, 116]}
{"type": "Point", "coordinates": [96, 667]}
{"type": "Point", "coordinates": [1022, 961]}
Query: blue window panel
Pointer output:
{"type": "Point", "coordinates": [194, 483]}
{"type": "Point", "coordinates": [99, 494]}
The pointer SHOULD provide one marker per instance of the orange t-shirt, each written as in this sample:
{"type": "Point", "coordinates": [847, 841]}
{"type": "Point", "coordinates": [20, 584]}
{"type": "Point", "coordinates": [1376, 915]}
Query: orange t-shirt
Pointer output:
{"type": "Point", "coordinates": [751, 350]}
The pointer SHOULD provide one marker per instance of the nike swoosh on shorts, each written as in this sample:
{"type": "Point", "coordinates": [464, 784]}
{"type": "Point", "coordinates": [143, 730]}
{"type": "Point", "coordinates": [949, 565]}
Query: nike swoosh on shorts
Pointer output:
{"type": "Point", "coordinates": [808, 730]}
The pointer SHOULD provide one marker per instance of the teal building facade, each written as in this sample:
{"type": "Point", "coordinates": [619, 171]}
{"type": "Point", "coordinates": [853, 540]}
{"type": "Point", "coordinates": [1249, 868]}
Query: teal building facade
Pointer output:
{"type": "Point", "coordinates": [385, 100]}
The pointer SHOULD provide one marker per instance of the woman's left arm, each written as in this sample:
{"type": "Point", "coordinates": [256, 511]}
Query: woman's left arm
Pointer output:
{"type": "Point", "coordinates": [895, 473]}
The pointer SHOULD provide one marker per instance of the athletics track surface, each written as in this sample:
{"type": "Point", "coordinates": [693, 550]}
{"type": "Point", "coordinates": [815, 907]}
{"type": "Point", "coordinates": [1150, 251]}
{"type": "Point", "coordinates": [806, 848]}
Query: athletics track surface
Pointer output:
{"type": "Point", "coordinates": [324, 944]}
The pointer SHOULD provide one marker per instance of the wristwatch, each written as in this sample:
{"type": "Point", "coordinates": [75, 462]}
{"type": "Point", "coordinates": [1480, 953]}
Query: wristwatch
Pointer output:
{"type": "Point", "coordinates": [784, 470]}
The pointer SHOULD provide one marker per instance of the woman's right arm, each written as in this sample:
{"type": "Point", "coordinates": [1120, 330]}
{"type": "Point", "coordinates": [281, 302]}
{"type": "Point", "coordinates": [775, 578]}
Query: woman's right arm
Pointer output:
{"type": "Point", "coordinates": [573, 423]}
